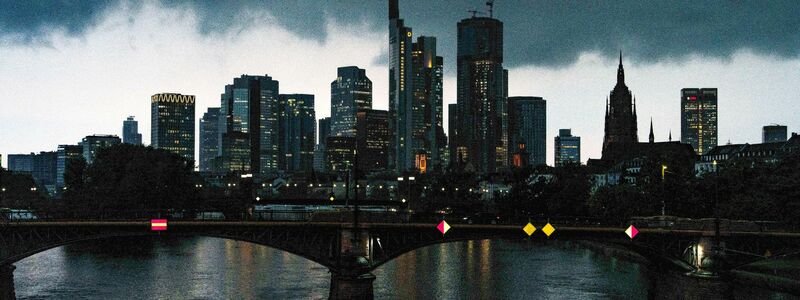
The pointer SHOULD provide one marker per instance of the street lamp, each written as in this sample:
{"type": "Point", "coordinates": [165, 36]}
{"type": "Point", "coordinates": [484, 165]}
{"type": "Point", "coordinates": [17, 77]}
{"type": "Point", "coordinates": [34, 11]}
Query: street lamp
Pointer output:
{"type": "Point", "coordinates": [663, 202]}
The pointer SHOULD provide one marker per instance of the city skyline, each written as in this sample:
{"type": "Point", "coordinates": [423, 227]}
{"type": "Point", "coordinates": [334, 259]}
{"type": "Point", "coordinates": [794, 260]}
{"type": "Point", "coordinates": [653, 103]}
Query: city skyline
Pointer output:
{"type": "Point", "coordinates": [575, 102]}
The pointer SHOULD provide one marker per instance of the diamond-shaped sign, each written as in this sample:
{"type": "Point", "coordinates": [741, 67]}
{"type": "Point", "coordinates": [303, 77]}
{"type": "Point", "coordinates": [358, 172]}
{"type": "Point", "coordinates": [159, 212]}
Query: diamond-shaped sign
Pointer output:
{"type": "Point", "coordinates": [443, 227]}
{"type": "Point", "coordinates": [631, 231]}
{"type": "Point", "coordinates": [529, 229]}
{"type": "Point", "coordinates": [548, 229]}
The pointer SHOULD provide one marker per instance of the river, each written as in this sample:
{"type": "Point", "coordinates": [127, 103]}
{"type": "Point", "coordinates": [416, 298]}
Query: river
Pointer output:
{"type": "Point", "coordinates": [211, 268]}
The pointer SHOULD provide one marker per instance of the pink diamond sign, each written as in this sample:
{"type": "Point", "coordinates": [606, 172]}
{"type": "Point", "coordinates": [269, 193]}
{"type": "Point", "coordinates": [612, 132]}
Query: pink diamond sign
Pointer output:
{"type": "Point", "coordinates": [632, 231]}
{"type": "Point", "coordinates": [443, 227]}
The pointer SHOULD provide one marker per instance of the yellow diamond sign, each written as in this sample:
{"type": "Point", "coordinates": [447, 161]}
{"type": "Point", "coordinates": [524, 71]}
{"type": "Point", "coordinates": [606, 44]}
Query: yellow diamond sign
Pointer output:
{"type": "Point", "coordinates": [548, 229]}
{"type": "Point", "coordinates": [529, 229]}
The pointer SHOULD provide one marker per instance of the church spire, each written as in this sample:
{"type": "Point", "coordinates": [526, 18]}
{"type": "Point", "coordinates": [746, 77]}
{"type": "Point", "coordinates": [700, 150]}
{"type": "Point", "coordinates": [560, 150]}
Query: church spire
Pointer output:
{"type": "Point", "coordinates": [620, 71]}
{"type": "Point", "coordinates": [652, 136]}
{"type": "Point", "coordinates": [670, 135]}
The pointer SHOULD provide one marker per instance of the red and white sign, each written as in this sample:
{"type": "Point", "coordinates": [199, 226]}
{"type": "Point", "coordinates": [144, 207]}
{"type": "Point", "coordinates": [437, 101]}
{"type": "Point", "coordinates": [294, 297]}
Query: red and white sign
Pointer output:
{"type": "Point", "coordinates": [158, 224]}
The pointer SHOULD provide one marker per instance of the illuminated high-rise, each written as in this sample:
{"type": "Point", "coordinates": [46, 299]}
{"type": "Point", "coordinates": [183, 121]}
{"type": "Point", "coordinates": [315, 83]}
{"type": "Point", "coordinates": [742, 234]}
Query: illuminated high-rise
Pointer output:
{"type": "Point", "coordinates": [481, 93]}
{"type": "Point", "coordinates": [172, 123]}
{"type": "Point", "coordinates": [699, 118]}
{"type": "Point", "coordinates": [209, 139]}
{"type": "Point", "coordinates": [527, 124]}
{"type": "Point", "coordinates": [427, 117]}
{"type": "Point", "coordinates": [567, 148]}
{"type": "Point", "coordinates": [373, 140]}
{"type": "Point", "coordinates": [249, 113]}
{"type": "Point", "coordinates": [401, 154]}
{"type": "Point", "coordinates": [93, 143]}
{"type": "Point", "coordinates": [351, 92]}
{"type": "Point", "coordinates": [297, 132]}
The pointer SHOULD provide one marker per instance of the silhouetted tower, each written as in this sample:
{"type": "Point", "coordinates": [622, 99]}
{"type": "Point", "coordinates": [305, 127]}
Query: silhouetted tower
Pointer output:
{"type": "Point", "coordinates": [620, 128]}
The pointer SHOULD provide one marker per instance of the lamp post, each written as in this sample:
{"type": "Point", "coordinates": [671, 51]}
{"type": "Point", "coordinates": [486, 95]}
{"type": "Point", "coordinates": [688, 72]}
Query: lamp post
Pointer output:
{"type": "Point", "coordinates": [663, 184]}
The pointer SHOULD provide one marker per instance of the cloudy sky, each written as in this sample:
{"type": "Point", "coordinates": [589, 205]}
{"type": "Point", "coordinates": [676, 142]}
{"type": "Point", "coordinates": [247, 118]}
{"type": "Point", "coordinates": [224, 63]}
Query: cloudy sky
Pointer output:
{"type": "Point", "coordinates": [69, 69]}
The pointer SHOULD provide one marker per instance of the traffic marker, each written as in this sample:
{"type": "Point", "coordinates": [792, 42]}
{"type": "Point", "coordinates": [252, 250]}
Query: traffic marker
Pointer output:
{"type": "Point", "coordinates": [443, 227]}
{"type": "Point", "coordinates": [548, 229]}
{"type": "Point", "coordinates": [158, 224]}
{"type": "Point", "coordinates": [631, 231]}
{"type": "Point", "coordinates": [529, 229]}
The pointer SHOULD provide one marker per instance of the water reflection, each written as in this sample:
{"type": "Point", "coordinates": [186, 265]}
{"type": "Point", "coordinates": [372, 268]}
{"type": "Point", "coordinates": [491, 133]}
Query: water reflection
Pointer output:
{"type": "Point", "coordinates": [210, 268]}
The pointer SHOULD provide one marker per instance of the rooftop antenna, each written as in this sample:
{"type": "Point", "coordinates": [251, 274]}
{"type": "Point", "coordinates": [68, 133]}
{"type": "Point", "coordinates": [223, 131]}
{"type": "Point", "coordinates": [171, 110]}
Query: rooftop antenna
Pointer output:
{"type": "Point", "coordinates": [474, 12]}
{"type": "Point", "coordinates": [490, 4]}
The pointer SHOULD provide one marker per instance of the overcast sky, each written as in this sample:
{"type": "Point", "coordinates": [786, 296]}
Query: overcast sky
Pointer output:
{"type": "Point", "coordinates": [72, 69]}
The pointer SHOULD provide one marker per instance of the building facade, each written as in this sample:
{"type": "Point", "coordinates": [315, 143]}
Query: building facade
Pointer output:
{"type": "Point", "coordinates": [400, 91]}
{"type": "Point", "coordinates": [42, 167]}
{"type": "Point", "coordinates": [249, 112]}
{"type": "Point", "coordinates": [427, 115]}
{"type": "Point", "coordinates": [93, 143]}
{"type": "Point", "coordinates": [172, 123]}
{"type": "Point", "coordinates": [373, 140]}
{"type": "Point", "coordinates": [130, 132]}
{"type": "Point", "coordinates": [297, 132]}
{"type": "Point", "coordinates": [481, 93]}
{"type": "Point", "coordinates": [699, 118]}
{"type": "Point", "coordinates": [209, 140]}
{"type": "Point", "coordinates": [66, 154]}
{"type": "Point", "coordinates": [324, 130]}
{"type": "Point", "coordinates": [527, 124]}
{"type": "Point", "coordinates": [620, 121]}
{"type": "Point", "coordinates": [341, 153]}
{"type": "Point", "coordinates": [567, 148]}
{"type": "Point", "coordinates": [774, 134]}
{"type": "Point", "coordinates": [350, 93]}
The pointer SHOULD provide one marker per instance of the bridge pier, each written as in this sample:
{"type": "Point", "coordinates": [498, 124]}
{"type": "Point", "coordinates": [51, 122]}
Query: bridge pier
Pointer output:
{"type": "Point", "coordinates": [7, 282]}
{"type": "Point", "coordinates": [347, 286]}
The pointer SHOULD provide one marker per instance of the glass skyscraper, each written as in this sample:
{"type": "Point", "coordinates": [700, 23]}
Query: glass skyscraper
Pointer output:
{"type": "Point", "coordinates": [350, 92]}
{"type": "Point", "coordinates": [567, 148]}
{"type": "Point", "coordinates": [209, 139]}
{"type": "Point", "coordinates": [373, 140]}
{"type": "Point", "coordinates": [699, 118]}
{"type": "Point", "coordinates": [401, 156]}
{"type": "Point", "coordinates": [172, 123]}
{"type": "Point", "coordinates": [527, 124]}
{"type": "Point", "coordinates": [249, 115]}
{"type": "Point", "coordinates": [297, 132]}
{"type": "Point", "coordinates": [130, 132]}
{"type": "Point", "coordinates": [427, 116]}
{"type": "Point", "coordinates": [481, 93]}
{"type": "Point", "coordinates": [66, 153]}
{"type": "Point", "coordinates": [92, 143]}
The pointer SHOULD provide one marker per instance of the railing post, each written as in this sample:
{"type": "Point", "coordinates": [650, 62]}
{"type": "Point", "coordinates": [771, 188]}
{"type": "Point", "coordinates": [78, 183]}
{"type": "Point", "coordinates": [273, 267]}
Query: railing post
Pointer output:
{"type": "Point", "coordinates": [7, 282]}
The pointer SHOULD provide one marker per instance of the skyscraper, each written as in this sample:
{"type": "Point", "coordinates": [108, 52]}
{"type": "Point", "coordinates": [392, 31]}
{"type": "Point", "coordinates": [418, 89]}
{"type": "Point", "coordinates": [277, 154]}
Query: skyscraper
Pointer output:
{"type": "Point", "coordinates": [324, 130]}
{"type": "Point", "coordinates": [401, 156]}
{"type": "Point", "coordinates": [172, 123]}
{"type": "Point", "coordinates": [456, 153]}
{"type": "Point", "coordinates": [481, 93]}
{"type": "Point", "coordinates": [350, 93]}
{"type": "Point", "coordinates": [567, 148]}
{"type": "Point", "coordinates": [249, 114]}
{"type": "Point", "coordinates": [699, 118]}
{"type": "Point", "coordinates": [209, 139]}
{"type": "Point", "coordinates": [373, 140]}
{"type": "Point", "coordinates": [93, 143]}
{"type": "Point", "coordinates": [620, 127]}
{"type": "Point", "coordinates": [297, 132]}
{"type": "Point", "coordinates": [130, 132]}
{"type": "Point", "coordinates": [66, 154]}
{"type": "Point", "coordinates": [340, 153]}
{"type": "Point", "coordinates": [426, 111]}
{"type": "Point", "coordinates": [527, 124]}
{"type": "Point", "coordinates": [774, 133]}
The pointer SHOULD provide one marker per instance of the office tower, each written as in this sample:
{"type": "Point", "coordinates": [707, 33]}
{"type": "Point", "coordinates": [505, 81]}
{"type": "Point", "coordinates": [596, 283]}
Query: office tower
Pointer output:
{"type": "Point", "coordinates": [481, 93]}
{"type": "Point", "coordinates": [41, 167]}
{"type": "Point", "coordinates": [567, 148]}
{"type": "Point", "coordinates": [427, 132]}
{"type": "Point", "coordinates": [319, 159]}
{"type": "Point", "coordinates": [699, 118]}
{"type": "Point", "coordinates": [209, 140]}
{"type": "Point", "coordinates": [774, 133]}
{"type": "Point", "coordinates": [324, 130]}
{"type": "Point", "coordinates": [249, 121]}
{"type": "Point", "coordinates": [297, 132]}
{"type": "Point", "coordinates": [458, 152]}
{"type": "Point", "coordinates": [400, 91]}
{"type": "Point", "coordinates": [172, 123]}
{"type": "Point", "coordinates": [527, 124]}
{"type": "Point", "coordinates": [130, 132]}
{"type": "Point", "coordinates": [66, 154]}
{"type": "Point", "coordinates": [620, 127]}
{"type": "Point", "coordinates": [340, 153]}
{"type": "Point", "coordinates": [373, 140]}
{"type": "Point", "coordinates": [350, 93]}
{"type": "Point", "coordinates": [92, 143]}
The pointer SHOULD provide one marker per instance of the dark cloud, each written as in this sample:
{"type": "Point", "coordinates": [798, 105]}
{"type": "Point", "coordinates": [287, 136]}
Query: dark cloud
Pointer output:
{"type": "Point", "coordinates": [544, 33]}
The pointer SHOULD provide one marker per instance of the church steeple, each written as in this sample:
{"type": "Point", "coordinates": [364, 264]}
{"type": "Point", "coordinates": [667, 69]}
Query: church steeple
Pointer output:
{"type": "Point", "coordinates": [620, 71]}
{"type": "Point", "coordinates": [652, 136]}
{"type": "Point", "coordinates": [670, 135]}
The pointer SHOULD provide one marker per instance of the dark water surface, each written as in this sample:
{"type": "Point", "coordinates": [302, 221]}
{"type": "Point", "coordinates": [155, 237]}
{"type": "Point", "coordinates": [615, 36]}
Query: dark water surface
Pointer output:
{"type": "Point", "coordinates": [211, 268]}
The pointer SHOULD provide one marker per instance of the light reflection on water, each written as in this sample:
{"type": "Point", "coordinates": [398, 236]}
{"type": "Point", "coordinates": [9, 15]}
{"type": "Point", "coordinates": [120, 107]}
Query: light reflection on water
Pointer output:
{"type": "Point", "coordinates": [210, 268]}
